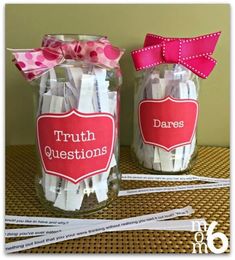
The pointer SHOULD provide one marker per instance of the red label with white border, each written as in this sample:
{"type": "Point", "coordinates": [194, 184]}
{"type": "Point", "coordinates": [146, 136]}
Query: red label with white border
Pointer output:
{"type": "Point", "coordinates": [75, 145]}
{"type": "Point", "coordinates": [168, 123]}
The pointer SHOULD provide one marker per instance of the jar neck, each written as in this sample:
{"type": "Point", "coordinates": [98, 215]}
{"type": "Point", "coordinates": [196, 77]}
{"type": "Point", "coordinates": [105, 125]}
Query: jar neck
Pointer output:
{"type": "Point", "coordinates": [175, 71]}
{"type": "Point", "coordinates": [74, 37]}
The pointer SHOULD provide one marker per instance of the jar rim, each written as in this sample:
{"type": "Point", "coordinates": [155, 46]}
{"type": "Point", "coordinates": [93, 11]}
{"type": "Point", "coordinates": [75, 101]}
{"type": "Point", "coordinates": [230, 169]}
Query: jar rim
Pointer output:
{"type": "Point", "coordinates": [73, 36]}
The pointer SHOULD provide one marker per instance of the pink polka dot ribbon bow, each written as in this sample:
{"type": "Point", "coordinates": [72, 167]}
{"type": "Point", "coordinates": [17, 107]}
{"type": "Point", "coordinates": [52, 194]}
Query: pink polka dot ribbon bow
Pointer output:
{"type": "Point", "coordinates": [193, 53]}
{"type": "Point", "coordinates": [35, 62]}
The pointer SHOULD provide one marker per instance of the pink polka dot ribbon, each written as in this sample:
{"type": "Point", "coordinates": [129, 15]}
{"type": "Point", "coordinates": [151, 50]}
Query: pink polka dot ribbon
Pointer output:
{"type": "Point", "coordinates": [193, 53]}
{"type": "Point", "coordinates": [35, 62]}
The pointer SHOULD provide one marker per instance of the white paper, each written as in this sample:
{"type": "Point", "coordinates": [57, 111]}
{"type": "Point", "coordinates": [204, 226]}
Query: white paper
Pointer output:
{"type": "Point", "coordinates": [173, 225]}
{"type": "Point", "coordinates": [171, 178]}
{"type": "Point", "coordinates": [173, 188]}
{"type": "Point", "coordinates": [99, 228]}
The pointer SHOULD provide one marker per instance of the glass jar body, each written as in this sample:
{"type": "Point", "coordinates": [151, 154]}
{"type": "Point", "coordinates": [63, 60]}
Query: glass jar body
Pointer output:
{"type": "Point", "coordinates": [165, 119]}
{"type": "Point", "coordinates": [77, 121]}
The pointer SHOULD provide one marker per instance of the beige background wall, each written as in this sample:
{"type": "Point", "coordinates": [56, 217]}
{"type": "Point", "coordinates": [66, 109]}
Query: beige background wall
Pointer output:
{"type": "Point", "coordinates": [126, 26]}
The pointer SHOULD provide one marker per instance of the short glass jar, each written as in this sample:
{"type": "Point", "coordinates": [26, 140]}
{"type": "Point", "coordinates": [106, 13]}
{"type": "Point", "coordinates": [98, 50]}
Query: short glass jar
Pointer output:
{"type": "Point", "coordinates": [165, 118]}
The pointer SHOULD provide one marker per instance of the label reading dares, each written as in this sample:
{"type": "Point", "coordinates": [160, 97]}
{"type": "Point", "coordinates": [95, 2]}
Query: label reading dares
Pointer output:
{"type": "Point", "coordinates": [168, 123]}
{"type": "Point", "coordinates": [75, 145]}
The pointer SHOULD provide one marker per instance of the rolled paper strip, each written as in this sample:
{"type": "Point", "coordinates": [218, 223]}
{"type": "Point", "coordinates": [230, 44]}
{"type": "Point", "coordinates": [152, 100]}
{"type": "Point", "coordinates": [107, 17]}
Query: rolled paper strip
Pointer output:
{"type": "Point", "coordinates": [35, 62]}
{"type": "Point", "coordinates": [193, 53]}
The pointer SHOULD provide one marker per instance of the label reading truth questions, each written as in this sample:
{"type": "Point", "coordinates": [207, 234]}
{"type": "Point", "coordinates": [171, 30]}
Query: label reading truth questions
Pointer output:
{"type": "Point", "coordinates": [75, 145]}
{"type": "Point", "coordinates": [168, 123]}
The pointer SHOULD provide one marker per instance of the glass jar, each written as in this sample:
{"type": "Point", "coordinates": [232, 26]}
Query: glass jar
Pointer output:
{"type": "Point", "coordinates": [165, 119]}
{"type": "Point", "coordinates": [77, 121]}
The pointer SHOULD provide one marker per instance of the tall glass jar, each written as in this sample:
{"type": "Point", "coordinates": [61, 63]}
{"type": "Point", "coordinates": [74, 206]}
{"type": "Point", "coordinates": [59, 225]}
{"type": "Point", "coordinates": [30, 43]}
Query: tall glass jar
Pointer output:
{"type": "Point", "coordinates": [77, 122]}
{"type": "Point", "coordinates": [165, 118]}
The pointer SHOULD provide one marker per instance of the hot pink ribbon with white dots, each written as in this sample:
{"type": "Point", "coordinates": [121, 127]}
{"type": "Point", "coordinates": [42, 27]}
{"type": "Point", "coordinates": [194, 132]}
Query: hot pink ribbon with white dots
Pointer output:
{"type": "Point", "coordinates": [34, 62]}
{"type": "Point", "coordinates": [193, 53]}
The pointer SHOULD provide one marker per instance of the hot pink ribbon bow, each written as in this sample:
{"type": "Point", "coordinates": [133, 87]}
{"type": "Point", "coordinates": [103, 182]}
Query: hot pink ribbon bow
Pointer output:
{"type": "Point", "coordinates": [193, 53]}
{"type": "Point", "coordinates": [35, 62]}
